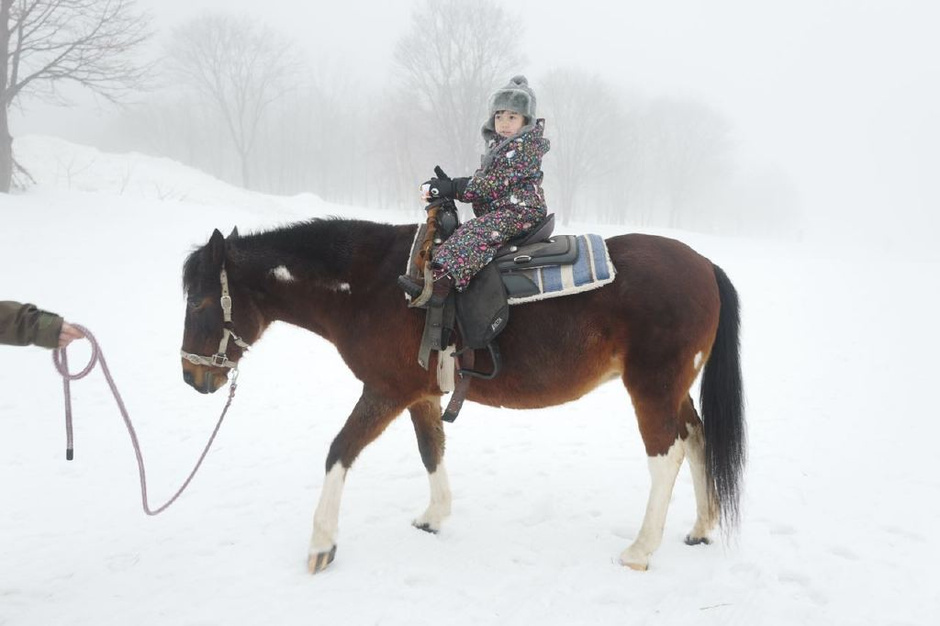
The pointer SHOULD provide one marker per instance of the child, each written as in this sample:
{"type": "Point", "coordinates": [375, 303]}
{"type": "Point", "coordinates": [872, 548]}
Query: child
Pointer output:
{"type": "Point", "coordinates": [506, 191]}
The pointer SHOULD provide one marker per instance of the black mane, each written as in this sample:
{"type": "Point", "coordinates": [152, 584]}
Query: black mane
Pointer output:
{"type": "Point", "coordinates": [325, 246]}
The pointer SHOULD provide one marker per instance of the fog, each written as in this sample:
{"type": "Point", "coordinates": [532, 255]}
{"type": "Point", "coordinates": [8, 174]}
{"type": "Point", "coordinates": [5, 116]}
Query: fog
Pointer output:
{"type": "Point", "coordinates": [836, 98]}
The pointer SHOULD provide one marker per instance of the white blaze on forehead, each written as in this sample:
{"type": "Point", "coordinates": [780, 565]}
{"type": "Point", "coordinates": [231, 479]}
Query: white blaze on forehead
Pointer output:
{"type": "Point", "coordinates": [283, 274]}
{"type": "Point", "coordinates": [698, 360]}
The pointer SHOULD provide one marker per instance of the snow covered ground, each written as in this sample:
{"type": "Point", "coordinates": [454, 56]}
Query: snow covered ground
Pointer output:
{"type": "Point", "coordinates": [842, 496]}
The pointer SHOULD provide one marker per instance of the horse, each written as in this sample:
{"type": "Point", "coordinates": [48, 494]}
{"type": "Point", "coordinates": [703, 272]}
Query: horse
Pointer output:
{"type": "Point", "coordinates": [669, 315]}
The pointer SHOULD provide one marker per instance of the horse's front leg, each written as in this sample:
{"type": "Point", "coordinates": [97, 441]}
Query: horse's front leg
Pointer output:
{"type": "Point", "coordinates": [426, 416]}
{"type": "Point", "coordinates": [368, 419]}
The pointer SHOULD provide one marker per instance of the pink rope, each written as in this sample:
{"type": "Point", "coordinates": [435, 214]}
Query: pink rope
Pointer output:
{"type": "Point", "coordinates": [60, 359]}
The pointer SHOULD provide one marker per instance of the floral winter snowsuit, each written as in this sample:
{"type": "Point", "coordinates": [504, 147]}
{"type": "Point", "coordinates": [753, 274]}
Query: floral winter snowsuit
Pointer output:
{"type": "Point", "coordinates": [507, 201]}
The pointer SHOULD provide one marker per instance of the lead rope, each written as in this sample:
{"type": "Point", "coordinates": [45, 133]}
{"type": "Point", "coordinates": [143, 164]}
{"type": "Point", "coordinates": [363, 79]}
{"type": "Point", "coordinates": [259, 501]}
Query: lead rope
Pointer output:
{"type": "Point", "coordinates": [60, 359]}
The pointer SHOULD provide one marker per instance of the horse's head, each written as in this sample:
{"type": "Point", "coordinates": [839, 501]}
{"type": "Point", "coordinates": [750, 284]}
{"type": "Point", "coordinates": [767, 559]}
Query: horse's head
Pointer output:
{"type": "Point", "coordinates": [221, 318]}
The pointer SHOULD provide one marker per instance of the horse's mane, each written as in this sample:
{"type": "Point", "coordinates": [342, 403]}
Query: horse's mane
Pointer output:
{"type": "Point", "coordinates": [326, 246]}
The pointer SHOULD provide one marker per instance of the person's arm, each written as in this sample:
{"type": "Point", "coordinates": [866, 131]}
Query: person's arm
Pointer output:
{"type": "Point", "coordinates": [520, 160]}
{"type": "Point", "coordinates": [24, 324]}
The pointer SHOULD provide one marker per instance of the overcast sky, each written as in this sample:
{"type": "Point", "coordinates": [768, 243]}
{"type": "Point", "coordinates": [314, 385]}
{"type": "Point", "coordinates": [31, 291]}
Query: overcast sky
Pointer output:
{"type": "Point", "coordinates": [844, 95]}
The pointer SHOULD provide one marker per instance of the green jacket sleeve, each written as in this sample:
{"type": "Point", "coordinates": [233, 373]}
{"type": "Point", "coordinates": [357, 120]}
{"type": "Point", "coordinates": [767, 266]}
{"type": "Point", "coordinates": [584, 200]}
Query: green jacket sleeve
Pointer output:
{"type": "Point", "coordinates": [24, 324]}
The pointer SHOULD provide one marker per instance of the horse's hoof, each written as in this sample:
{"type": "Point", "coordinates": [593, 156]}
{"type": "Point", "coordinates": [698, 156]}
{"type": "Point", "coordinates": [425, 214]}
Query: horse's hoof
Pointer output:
{"type": "Point", "coordinates": [696, 541]}
{"type": "Point", "coordinates": [318, 562]}
{"type": "Point", "coordinates": [426, 527]}
{"type": "Point", "coordinates": [635, 560]}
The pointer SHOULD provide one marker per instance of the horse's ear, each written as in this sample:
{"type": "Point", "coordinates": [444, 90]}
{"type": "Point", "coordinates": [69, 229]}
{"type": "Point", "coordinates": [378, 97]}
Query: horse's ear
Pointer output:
{"type": "Point", "coordinates": [234, 233]}
{"type": "Point", "coordinates": [216, 247]}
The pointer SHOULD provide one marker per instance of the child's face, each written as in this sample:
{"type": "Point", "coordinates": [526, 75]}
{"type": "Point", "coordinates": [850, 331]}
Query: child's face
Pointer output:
{"type": "Point", "coordinates": [508, 123]}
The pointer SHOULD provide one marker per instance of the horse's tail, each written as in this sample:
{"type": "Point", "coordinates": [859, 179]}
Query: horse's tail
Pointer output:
{"type": "Point", "coordinates": [722, 404]}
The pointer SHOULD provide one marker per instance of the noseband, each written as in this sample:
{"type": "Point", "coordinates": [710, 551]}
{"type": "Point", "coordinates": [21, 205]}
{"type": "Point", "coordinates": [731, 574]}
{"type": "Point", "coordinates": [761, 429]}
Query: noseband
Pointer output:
{"type": "Point", "coordinates": [219, 359]}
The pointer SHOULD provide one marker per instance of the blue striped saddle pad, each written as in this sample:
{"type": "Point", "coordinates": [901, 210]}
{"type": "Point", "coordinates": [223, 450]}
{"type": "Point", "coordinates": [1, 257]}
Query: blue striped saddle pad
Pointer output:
{"type": "Point", "coordinates": [563, 265]}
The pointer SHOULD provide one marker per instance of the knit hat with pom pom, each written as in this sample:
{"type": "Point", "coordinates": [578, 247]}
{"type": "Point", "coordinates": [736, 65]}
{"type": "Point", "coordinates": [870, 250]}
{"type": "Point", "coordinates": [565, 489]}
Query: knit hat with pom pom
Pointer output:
{"type": "Point", "coordinates": [515, 96]}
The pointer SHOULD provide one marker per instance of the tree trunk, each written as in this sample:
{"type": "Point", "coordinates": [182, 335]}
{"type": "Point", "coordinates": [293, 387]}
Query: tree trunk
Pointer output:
{"type": "Point", "coordinates": [564, 210]}
{"type": "Point", "coordinates": [246, 174]}
{"type": "Point", "coordinates": [6, 140]}
{"type": "Point", "coordinates": [6, 152]}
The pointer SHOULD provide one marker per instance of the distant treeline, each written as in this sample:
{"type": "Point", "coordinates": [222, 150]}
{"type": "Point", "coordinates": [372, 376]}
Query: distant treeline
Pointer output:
{"type": "Point", "coordinates": [240, 101]}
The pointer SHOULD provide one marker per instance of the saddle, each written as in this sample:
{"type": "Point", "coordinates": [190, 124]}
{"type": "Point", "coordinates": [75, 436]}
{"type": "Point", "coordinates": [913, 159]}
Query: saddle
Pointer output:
{"type": "Point", "coordinates": [521, 270]}
{"type": "Point", "coordinates": [483, 308]}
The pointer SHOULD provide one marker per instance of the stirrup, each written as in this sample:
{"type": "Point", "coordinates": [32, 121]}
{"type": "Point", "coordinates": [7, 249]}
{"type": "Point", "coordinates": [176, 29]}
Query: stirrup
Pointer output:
{"type": "Point", "coordinates": [410, 286]}
{"type": "Point", "coordinates": [428, 290]}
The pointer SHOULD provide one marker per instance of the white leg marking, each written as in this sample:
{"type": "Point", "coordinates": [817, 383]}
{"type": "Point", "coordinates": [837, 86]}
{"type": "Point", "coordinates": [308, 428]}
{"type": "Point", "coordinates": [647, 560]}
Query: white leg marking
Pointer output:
{"type": "Point", "coordinates": [326, 518]}
{"type": "Point", "coordinates": [283, 274]}
{"type": "Point", "coordinates": [663, 471]}
{"type": "Point", "coordinates": [446, 376]}
{"type": "Point", "coordinates": [705, 506]}
{"type": "Point", "coordinates": [439, 508]}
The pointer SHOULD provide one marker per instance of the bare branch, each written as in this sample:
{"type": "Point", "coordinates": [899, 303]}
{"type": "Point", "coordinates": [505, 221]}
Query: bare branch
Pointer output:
{"type": "Point", "coordinates": [91, 43]}
{"type": "Point", "coordinates": [239, 67]}
{"type": "Point", "coordinates": [584, 123]}
{"type": "Point", "coordinates": [455, 54]}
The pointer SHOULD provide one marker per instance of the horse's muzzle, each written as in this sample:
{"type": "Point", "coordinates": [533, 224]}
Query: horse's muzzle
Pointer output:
{"type": "Point", "coordinates": [202, 379]}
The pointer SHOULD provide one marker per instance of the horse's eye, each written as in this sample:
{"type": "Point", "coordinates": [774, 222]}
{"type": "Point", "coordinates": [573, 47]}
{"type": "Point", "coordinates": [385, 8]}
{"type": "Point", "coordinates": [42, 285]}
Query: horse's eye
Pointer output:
{"type": "Point", "coordinates": [194, 303]}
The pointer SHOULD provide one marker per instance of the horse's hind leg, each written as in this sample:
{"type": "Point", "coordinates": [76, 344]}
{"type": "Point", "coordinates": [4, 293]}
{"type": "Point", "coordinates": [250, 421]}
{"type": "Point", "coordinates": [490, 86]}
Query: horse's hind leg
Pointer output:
{"type": "Point", "coordinates": [705, 505]}
{"type": "Point", "coordinates": [659, 427]}
{"type": "Point", "coordinates": [368, 419]}
{"type": "Point", "coordinates": [426, 417]}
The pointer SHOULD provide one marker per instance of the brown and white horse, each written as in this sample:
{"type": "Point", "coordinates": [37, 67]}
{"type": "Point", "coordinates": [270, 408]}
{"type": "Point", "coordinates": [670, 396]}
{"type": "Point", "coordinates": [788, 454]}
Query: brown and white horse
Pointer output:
{"type": "Point", "coordinates": [669, 315]}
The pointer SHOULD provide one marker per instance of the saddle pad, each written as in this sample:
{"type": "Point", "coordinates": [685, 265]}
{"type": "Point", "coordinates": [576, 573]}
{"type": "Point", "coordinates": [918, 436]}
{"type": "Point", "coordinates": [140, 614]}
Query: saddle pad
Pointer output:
{"type": "Point", "coordinates": [592, 269]}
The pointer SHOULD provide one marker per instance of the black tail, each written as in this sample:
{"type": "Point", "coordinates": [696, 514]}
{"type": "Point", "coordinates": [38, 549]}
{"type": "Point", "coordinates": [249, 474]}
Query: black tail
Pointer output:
{"type": "Point", "coordinates": [722, 403]}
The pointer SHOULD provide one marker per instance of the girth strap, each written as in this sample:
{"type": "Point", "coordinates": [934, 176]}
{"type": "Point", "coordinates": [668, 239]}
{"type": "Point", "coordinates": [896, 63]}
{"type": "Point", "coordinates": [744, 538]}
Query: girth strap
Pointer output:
{"type": "Point", "coordinates": [465, 361]}
{"type": "Point", "coordinates": [436, 321]}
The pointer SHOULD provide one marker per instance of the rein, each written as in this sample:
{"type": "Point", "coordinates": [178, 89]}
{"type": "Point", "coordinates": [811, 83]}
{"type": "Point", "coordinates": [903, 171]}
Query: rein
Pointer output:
{"type": "Point", "coordinates": [423, 260]}
{"type": "Point", "coordinates": [60, 359]}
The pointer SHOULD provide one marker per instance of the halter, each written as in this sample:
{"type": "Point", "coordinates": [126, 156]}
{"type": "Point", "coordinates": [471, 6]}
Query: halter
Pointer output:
{"type": "Point", "coordinates": [220, 359]}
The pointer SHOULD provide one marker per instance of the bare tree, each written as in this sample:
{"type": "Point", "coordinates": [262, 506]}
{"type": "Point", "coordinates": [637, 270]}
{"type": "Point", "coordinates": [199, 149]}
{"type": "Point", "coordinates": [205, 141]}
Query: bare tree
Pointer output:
{"type": "Point", "coordinates": [240, 68]}
{"type": "Point", "coordinates": [315, 142]}
{"type": "Point", "coordinates": [584, 122]}
{"type": "Point", "coordinates": [180, 126]}
{"type": "Point", "coordinates": [394, 152]}
{"type": "Point", "coordinates": [687, 152]}
{"type": "Point", "coordinates": [455, 54]}
{"type": "Point", "coordinates": [44, 43]}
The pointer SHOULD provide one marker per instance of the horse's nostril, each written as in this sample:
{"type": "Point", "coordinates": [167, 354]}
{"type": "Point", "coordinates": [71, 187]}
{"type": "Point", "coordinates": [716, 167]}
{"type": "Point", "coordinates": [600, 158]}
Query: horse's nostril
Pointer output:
{"type": "Point", "coordinates": [189, 378]}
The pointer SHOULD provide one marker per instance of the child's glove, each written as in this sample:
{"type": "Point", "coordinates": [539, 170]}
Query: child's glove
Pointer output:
{"type": "Point", "coordinates": [451, 188]}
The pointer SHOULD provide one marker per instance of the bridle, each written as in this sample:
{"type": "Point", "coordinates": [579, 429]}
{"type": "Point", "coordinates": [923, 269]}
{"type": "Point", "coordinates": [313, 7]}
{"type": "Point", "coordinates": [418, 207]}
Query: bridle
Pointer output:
{"type": "Point", "coordinates": [220, 359]}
